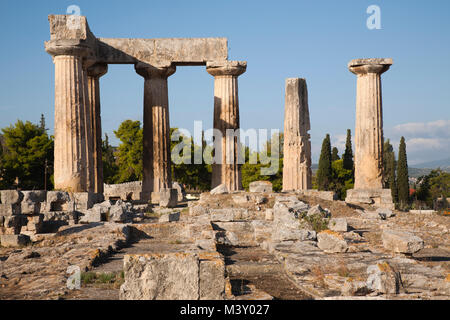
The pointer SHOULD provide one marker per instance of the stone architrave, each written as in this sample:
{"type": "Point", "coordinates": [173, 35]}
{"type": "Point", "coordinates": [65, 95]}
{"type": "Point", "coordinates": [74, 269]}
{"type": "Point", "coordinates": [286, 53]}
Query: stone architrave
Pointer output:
{"type": "Point", "coordinates": [156, 158]}
{"type": "Point", "coordinates": [369, 133]}
{"type": "Point", "coordinates": [72, 161]}
{"type": "Point", "coordinates": [297, 145]}
{"type": "Point", "coordinates": [94, 73]}
{"type": "Point", "coordinates": [226, 116]}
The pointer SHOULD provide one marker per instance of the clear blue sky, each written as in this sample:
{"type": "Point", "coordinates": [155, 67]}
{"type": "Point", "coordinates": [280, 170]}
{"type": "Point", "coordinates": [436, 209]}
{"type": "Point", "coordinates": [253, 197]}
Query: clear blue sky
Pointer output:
{"type": "Point", "coordinates": [279, 39]}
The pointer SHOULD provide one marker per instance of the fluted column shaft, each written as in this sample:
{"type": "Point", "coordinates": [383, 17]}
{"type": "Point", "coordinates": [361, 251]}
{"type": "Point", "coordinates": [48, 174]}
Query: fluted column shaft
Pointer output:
{"type": "Point", "coordinates": [70, 163]}
{"type": "Point", "coordinates": [94, 74]}
{"type": "Point", "coordinates": [156, 158]}
{"type": "Point", "coordinates": [297, 145]}
{"type": "Point", "coordinates": [226, 116]}
{"type": "Point", "coordinates": [369, 122]}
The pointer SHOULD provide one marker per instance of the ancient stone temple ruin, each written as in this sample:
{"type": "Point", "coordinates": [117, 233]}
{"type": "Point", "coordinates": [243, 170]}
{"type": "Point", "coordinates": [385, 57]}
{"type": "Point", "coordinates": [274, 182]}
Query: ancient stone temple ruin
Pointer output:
{"type": "Point", "coordinates": [369, 134]}
{"type": "Point", "coordinates": [297, 146]}
{"type": "Point", "coordinates": [81, 59]}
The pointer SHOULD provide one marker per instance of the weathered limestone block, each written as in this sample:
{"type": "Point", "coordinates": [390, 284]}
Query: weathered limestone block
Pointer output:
{"type": "Point", "coordinates": [212, 276]}
{"type": "Point", "coordinates": [119, 212]}
{"type": "Point", "coordinates": [125, 191]}
{"type": "Point", "coordinates": [260, 186]}
{"type": "Point", "coordinates": [228, 214]}
{"type": "Point", "coordinates": [318, 210]}
{"type": "Point", "coordinates": [198, 210]}
{"type": "Point", "coordinates": [173, 276]}
{"type": "Point", "coordinates": [59, 201]}
{"type": "Point", "coordinates": [401, 242]}
{"type": "Point", "coordinates": [262, 230]}
{"type": "Point", "coordinates": [381, 198]}
{"type": "Point", "coordinates": [338, 224]}
{"type": "Point", "coordinates": [86, 200]}
{"type": "Point", "coordinates": [281, 233]}
{"type": "Point", "coordinates": [367, 214]}
{"type": "Point", "coordinates": [11, 196]}
{"type": "Point", "coordinates": [169, 217]}
{"type": "Point", "coordinates": [236, 233]}
{"type": "Point", "coordinates": [383, 278]}
{"type": "Point", "coordinates": [10, 209]}
{"type": "Point", "coordinates": [181, 193]}
{"type": "Point", "coordinates": [325, 195]}
{"type": "Point", "coordinates": [34, 223]}
{"type": "Point", "coordinates": [93, 215]}
{"type": "Point", "coordinates": [220, 189]}
{"type": "Point", "coordinates": [331, 242]}
{"type": "Point", "coordinates": [13, 224]}
{"type": "Point", "coordinates": [297, 145]}
{"type": "Point", "coordinates": [354, 288]}
{"type": "Point", "coordinates": [240, 198]}
{"type": "Point", "coordinates": [168, 198]}
{"type": "Point", "coordinates": [14, 240]}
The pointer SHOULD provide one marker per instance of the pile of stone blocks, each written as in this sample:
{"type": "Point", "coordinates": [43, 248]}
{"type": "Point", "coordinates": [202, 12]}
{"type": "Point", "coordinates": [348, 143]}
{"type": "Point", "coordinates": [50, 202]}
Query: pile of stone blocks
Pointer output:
{"type": "Point", "coordinates": [39, 211]}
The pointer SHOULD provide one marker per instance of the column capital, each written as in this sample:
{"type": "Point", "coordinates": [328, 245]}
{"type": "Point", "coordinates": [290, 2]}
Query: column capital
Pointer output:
{"type": "Point", "coordinates": [226, 68]}
{"type": "Point", "coordinates": [97, 70]}
{"type": "Point", "coordinates": [67, 48]}
{"type": "Point", "coordinates": [148, 71]}
{"type": "Point", "coordinates": [372, 65]}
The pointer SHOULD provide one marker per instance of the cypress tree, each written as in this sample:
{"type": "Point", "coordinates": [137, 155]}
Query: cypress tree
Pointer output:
{"type": "Point", "coordinates": [402, 175]}
{"type": "Point", "coordinates": [389, 169]}
{"type": "Point", "coordinates": [335, 154]}
{"type": "Point", "coordinates": [347, 157]}
{"type": "Point", "coordinates": [324, 173]}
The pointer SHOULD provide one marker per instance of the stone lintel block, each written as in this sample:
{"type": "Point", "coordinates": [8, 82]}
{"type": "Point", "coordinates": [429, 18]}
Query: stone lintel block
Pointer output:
{"type": "Point", "coordinates": [381, 198]}
{"type": "Point", "coordinates": [14, 240]}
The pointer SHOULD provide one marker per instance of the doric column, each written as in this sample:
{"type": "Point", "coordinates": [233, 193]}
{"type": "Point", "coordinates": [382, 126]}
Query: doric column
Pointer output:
{"type": "Point", "coordinates": [94, 73]}
{"type": "Point", "coordinates": [369, 122]}
{"type": "Point", "coordinates": [156, 158]}
{"type": "Point", "coordinates": [71, 117]}
{"type": "Point", "coordinates": [226, 116]}
{"type": "Point", "coordinates": [297, 144]}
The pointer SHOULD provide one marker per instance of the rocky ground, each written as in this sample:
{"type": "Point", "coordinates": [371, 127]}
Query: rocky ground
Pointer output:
{"type": "Point", "coordinates": [274, 246]}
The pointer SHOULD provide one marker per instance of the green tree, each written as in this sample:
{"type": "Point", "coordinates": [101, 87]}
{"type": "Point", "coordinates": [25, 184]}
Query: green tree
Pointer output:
{"type": "Point", "coordinates": [334, 154]}
{"type": "Point", "coordinates": [42, 123]}
{"type": "Point", "coordinates": [252, 172]}
{"type": "Point", "coordinates": [324, 173]}
{"type": "Point", "coordinates": [389, 164]}
{"type": "Point", "coordinates": [348, 153]}
{"type": "Point", "coordinates": [342, 179]}
{"type": "Point", "coordinates": [432, 186]}
{"type": "Point", "coordinates": [26, 151]}
{"type": "Point", "coordinates": [402, 175]}
{"type": "Point", "coordinates": [194, 176]}
{"type": "Point", "coordinates": [130, 151]}
{"type": "Point", "coordinates": [110, 167]}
